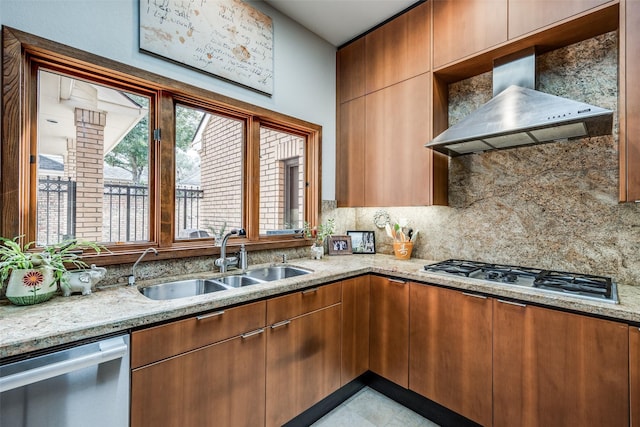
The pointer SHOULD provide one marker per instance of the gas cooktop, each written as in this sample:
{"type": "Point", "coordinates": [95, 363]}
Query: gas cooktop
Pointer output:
{"type": "Point", "coordinates": [585, 286]}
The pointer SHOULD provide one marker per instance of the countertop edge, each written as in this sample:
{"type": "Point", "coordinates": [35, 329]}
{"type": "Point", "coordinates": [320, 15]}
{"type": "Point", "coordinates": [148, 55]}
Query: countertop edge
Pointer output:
{"type": "Point", "coordinates": [64, 320]}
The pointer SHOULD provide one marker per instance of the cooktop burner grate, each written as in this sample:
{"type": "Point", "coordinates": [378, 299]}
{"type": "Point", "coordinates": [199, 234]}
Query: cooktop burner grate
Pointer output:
{"type": "Point", "coordinates": [580, 285]}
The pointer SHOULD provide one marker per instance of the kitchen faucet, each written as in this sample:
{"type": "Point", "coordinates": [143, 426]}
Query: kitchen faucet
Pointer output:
{"type": "Point", "coordinates": [224, 262]}
{"type": "Point", "coordinates": [132, 278]}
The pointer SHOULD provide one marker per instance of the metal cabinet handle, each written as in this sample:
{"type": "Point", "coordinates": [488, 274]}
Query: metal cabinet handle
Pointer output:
{"type": "Point", "coordinates": [279, 324]}
{"type": "Point", "coordinates": [252, 333]}
{"type": "Point", "coordinates": [517, 304]}
{"type": "Point", "coordinates": [399, 282]}
{"type": "Point", "coordinates": [210, 315]}
{"type": "Point", "coordinates": [309, 291]}
{"type": "Point", "coordinates": [474, 295]}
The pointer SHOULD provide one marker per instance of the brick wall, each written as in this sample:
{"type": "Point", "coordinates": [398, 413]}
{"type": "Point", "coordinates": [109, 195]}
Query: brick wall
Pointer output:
{"type": "Point", "coordinates": [221, 164]}
{"type": "Point", "coordinates": [277, 148]}
{"type": "Point", "coordinates": [221, 160]}
{"type": "Point", "coordinates": [89, 172]}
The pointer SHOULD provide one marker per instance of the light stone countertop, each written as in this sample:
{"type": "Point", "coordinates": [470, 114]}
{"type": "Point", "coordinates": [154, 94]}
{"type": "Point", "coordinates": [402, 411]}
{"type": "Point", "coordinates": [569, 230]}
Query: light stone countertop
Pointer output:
{"type": "Point", "coordinates": [120, 308]}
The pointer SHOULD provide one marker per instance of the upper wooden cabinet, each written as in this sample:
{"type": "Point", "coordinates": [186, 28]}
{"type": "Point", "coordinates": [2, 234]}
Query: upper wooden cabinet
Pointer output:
{"type": "Point", "coordinates": [350, 64]}
{"type": "Point", "coordinates": [526, 16]}
{"type": "Point", "coordinates": [399, 49]}
{"type": "Point", "coordinates": [629, 101]}
{"type": "Point", "coordinates": [398, 170]}
{"type": "Point", "coordinates": [382, 125]}
{"type": "Point", "coordinates": [350, 163]}
{"type": "Point", "coordinates": [464, 27]}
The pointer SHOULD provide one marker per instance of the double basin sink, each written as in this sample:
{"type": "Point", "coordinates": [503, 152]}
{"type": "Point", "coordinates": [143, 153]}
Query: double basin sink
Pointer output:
{"type": "Point", "coordinates": [193, 287]}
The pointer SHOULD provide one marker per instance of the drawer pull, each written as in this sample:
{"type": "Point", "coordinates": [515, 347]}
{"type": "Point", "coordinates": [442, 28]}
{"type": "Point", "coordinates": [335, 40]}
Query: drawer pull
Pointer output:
{"type": "Point", "coordinates": [279, 324]}
{"type": "Point", "coordinates": [309, 291]}
{"type": "Point", "coordinates": [210, 315]}
{"type": "Point", "coordinates": [517, 304]}
{"type": "Point", "coordinates": [399, 282]}
{"type": "Point", "coordinates": [474, 295]}
{"type": "Point", "coordinates": [252, 333]}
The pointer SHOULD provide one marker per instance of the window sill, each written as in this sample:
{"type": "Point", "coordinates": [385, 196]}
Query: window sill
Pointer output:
{"type": "Point", "coordinates": [189, 250]}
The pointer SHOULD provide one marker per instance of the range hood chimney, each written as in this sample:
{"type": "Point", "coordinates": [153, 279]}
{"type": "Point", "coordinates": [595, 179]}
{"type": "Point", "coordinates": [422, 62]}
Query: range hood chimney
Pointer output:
{"type": "Point", "coordinates": [520, 115]}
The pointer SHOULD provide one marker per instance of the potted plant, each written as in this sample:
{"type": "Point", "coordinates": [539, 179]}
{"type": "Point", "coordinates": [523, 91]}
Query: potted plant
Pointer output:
{"type": "Point", "coordinates": [319, 235]}
{"type": "Point", "coordinates": [33, 276]}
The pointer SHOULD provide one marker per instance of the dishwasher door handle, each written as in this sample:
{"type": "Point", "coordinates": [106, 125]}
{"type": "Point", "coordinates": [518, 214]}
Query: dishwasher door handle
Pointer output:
{"type": "Point", "coordinates": [106, 353]}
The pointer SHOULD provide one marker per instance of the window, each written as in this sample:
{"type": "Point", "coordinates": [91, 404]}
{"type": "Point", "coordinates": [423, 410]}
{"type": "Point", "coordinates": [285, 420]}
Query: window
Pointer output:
{"type": "Point", "coordinates": [92, 161]}
{"type": "Point", "coordinates": [209, 173]}
{"type": "Point", "coordinates": [281, 181]}
{"type": "Point", "coordinates": [108, 153]}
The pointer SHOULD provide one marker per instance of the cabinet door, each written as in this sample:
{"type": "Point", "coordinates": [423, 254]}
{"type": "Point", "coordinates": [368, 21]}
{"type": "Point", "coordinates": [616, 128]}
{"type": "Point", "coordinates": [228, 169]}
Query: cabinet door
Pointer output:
{"type": "Point", "coordinates": [212, 386]}
{"type": "Point", "coordinates": [159, 342]}
{"type": "Point", "coordinates": [634, 374]}
{"type": "Point", "coordinates": [630, 122]}
{"type": "Point", "coordinates": [526, 16]}
{"type": "Point", "coordinates": [397, 165]}
{"type": "Point", "coordinates": [451, 350]}
{"type": "Point", "coordinates": [389, 329]}
{"type": "Point", "coordinates": [303, 363]}
{"type": "Point", "coordinates": [399, 49]}
{"type": "Point", "coordinates": [350, 162]}
{"type": "Point", "coordinates": [355, 328]}
{"type": "Point", "coordinates": [553, 368]}
{"type": "Point", "coordinates": [302, 302]}
{"type": "Point", "coordinates": [464, 27]}
{"type": "Point", "coordinates": [350, 64]}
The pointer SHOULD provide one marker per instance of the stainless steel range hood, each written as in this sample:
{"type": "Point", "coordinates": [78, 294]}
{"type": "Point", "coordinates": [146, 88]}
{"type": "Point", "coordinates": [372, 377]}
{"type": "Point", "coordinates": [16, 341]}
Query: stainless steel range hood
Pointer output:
{"type": "Point", "coordinates": [519, 115]}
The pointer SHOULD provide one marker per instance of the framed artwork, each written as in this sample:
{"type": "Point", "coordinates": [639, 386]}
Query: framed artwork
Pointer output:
{"type": "Point", "coordinates": [363, 242]}
{"type": "Point", "coordinates": [229, 39]}
{"type": "Point", "coordinates": [340, 245]}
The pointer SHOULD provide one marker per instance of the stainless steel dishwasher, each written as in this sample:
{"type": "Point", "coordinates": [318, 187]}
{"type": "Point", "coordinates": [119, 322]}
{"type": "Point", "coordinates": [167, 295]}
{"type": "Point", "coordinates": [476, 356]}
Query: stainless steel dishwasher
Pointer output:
{"type": "Point", "coordinates": [85, 385]}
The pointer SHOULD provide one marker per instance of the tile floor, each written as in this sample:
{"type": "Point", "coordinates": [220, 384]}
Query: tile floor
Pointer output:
{"type": "Point", "coordinates": [368, 408]}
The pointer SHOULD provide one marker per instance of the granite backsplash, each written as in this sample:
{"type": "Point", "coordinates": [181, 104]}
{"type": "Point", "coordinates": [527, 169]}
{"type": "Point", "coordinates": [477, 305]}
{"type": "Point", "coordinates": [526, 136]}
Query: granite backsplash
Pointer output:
{"type": "Point", "coordinates": [552, 205]}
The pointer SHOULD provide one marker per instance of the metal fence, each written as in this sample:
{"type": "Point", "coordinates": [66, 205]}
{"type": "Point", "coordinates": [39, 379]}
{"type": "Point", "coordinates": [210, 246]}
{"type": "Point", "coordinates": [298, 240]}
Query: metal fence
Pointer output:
{"type": "Point", "coordinates": [188, 200]}
{"type": "Point", "coordinates": [125, 211]}
{"type": "Point", "coordinates": [56, 210]}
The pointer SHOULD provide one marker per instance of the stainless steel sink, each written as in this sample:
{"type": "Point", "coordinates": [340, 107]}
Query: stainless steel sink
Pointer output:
{"type": "Point", "coordinates": [181, 289]}
{"type": "Point", "coordinates": [269, 274]}
{"type": "Point", "coordinates": [192, 287]}
{"type": "Point", "coordinates": [237, 280]}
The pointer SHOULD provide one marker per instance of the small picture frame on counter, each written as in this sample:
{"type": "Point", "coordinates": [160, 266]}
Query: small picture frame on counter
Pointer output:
{"type": "Point", "coordinates": [363, 242]}
{"type": "Point", "coordinates": [340, 245]}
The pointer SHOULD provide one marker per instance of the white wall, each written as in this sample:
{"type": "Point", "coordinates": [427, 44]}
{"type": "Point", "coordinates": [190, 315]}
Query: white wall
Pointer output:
{"type": "Point", "coordinates": [304, 70]}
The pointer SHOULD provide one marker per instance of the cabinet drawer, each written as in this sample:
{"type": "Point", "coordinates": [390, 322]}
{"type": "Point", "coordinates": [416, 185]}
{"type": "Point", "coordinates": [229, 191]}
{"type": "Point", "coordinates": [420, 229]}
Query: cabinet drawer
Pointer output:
{"type": "Point", "coordinates": [160, 342]}
{"type": "Point", "coordinates": [293, 305]}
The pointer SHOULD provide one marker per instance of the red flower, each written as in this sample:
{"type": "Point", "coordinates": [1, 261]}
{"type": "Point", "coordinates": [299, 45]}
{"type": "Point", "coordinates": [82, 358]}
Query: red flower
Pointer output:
{"type": "Point", "coordinates": [33, 279]}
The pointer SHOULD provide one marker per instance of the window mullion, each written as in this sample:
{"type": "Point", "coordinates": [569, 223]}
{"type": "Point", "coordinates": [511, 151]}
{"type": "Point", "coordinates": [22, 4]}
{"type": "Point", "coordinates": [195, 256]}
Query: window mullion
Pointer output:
{"type": "Point", "coordinates": [165, 170]}
{"type": "Point", "coordinates": [252, 179]}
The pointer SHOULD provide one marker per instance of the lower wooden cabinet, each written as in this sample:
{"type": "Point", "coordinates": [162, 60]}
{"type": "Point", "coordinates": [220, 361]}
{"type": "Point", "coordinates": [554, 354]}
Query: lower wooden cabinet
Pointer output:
{"type": "Point", "coordinates": [495, 362]}
{"type": "Point", "coordinates": [303, 363]}
{"type": "Point", "coordinates": [389, 329]}
{"type": "Point", "coordinates": [221, 384]}
{"type": "Point", "coordinates": [355, 328]}
{"type": "Point", "coordinates": [553, 368]}
{"type": "Point", "coordinates": [634, 374]}
{"type": "Point", "coordinates": [451, 350]}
